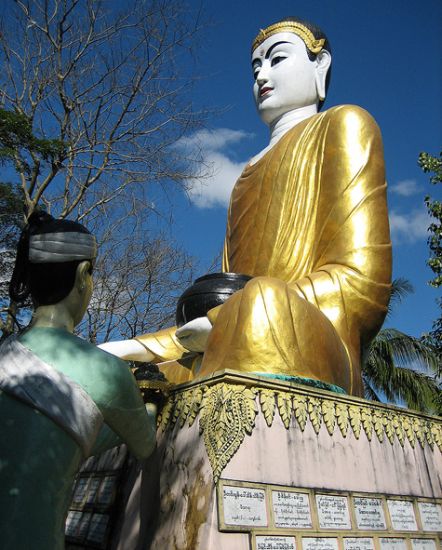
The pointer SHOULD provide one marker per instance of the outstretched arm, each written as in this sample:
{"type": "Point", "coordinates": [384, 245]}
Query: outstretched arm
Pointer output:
{"type": "Point", "coordinates": [130, 350]}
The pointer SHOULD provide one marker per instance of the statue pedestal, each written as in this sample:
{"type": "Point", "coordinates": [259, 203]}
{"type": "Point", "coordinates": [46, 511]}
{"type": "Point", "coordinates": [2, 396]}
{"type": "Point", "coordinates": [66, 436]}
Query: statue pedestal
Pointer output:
{"type": "Point", "coordinates": [245, 463]}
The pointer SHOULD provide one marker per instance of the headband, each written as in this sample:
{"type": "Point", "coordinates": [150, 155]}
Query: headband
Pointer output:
{"type": "Point", "coordinates": [62, 247]}
{"type": "Point", "coordinates": [313, 44]}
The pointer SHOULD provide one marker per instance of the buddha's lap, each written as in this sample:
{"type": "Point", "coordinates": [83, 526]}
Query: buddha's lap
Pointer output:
{"type": "Point", "coordinates": [268, 327]}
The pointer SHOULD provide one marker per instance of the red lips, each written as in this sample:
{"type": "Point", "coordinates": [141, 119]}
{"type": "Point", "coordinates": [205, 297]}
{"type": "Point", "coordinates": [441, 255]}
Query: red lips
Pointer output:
{"type": "Point", "coordinates": [263, 91]}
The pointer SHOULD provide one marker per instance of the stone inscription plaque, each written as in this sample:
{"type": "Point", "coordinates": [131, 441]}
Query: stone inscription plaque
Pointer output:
{"type": "Point", "coordinates": [358, 543]}
{"type": "Point", "coordinates": [387, 543]}
{"type": "Point", "coordinates": [423, 544]}
{"type": "Point", "coordinates": [431, 516]}
{"type": "Point", "coordinates": [244, 506]}
{"type": "Point", "coordinates": [269, 542]}
{"type": "Point", "coordinates": [291, 510]}
{"type": "Point", "coordinates": [319, 543]}
{"type": "Point", "coordinates": [402, 515]}
{"type": "Point", "coordinates": [369, 513]}
{"type": "Point", "coordinates": [333, 512]}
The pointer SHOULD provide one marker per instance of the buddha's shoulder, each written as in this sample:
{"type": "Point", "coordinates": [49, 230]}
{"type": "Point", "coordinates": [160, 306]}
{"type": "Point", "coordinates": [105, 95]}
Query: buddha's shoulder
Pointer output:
{"type": "Point", "coordinates": [349, 116]}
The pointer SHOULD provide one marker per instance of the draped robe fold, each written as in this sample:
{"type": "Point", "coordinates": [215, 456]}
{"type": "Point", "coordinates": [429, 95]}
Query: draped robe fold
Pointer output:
{"type": "Point", "coordinates": [309, 222]}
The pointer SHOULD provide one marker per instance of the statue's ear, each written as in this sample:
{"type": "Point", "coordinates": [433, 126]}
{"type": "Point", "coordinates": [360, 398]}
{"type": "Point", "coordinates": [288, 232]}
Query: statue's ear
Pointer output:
{"type": "Point", "coordinates": [323, 62]}
{"type": "Point", "coordinates": [81, 275]}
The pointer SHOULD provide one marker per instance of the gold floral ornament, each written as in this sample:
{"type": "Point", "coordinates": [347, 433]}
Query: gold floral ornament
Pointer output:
{"type": "Point", "coordinates": [313, 44]}
{"type": "Point", "coordinates": [228, 413]}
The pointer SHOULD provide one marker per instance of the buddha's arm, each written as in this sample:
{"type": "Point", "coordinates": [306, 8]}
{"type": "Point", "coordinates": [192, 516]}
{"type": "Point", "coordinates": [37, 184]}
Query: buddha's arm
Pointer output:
{"type": "Point", "coordinates": [155, 347]}
{"type": "Point", "coordinates": [129, 350]}
{"type": "Point", "coordinates": [164, 345]}
{"type": "Point", "coordinates": [350, 282]}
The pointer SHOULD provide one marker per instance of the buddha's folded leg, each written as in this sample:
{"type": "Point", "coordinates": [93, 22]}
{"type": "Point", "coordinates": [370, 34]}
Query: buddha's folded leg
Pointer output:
{"type": "Point", "coordinates": [268, 327]}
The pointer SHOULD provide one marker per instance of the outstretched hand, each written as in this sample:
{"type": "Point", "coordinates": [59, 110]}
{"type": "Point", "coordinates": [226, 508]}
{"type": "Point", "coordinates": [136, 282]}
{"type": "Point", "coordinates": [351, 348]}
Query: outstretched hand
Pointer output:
{"type": "Point", "coordinates": [194, 334]}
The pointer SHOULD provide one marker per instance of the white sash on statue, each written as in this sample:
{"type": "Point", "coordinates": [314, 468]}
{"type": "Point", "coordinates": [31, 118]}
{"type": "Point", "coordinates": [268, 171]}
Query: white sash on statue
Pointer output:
{"type": "Point", "coordinates": [28, 378]}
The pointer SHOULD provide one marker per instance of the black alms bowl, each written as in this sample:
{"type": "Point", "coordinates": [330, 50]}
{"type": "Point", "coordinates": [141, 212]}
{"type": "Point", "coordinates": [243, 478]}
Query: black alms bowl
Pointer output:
{"type": "Point", "coordinates": [206, 293]}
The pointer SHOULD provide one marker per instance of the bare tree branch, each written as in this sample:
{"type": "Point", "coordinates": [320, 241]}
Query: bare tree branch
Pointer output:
{"type": "Point", "coordinates": [110, 83]}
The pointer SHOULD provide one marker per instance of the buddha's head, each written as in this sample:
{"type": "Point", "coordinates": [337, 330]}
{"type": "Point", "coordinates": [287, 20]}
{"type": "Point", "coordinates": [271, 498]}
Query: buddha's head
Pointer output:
{"type": "Point", "coordinates": [54, 261]}
{"type": "Point", "coordinates": [291, 62]}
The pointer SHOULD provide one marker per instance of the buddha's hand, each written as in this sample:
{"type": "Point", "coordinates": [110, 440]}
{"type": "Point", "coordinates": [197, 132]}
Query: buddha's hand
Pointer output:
{"type": "Point", "coordinates": [194, 334]}
{"type": "Point", "coordinates": [128, 349]}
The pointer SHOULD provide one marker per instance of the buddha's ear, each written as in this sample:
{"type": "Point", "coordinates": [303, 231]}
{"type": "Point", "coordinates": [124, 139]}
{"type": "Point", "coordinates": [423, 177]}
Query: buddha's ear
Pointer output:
{"type": "Point", "coordinates": [323, 62]}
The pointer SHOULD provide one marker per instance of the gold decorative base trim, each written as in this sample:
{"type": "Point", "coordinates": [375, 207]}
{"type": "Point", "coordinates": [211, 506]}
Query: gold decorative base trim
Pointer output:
{"type": "Point", "coordinates": [227, 404]}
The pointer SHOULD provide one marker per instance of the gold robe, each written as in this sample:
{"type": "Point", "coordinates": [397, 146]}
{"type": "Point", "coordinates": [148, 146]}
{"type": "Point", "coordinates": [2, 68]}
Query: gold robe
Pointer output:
{"type": "Point", "coordinates": [309, 221]}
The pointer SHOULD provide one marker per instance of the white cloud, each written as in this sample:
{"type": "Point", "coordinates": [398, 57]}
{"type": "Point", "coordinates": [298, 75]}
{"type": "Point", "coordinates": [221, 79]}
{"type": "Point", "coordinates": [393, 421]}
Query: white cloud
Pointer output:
{"type": "Point", "coordinates": [409, 227]}
{"type": "Point", "coordinates": [405, 188]}
{"type": "Point", "coordinates": [214, 189]}
{"type": "Point", "coordinates": [213, 140]}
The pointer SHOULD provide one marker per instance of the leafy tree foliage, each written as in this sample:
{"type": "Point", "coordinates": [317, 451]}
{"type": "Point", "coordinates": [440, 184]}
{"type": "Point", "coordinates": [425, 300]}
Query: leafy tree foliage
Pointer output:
{"type": "Point", "coordinates": [433, 165]}
{"type": "Point", "coordinates": [387, 371]}
{"type": "Point", "coordinates": [17, 142]}
{"type": "Point", "coordinates": [402, 368]}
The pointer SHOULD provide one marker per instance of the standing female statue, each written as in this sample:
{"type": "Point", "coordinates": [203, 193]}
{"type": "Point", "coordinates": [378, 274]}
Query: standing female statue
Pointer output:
{"type": "Point", "coordinates": [61, 399]}
{"type": "Point", "coordinates": [308, 220]}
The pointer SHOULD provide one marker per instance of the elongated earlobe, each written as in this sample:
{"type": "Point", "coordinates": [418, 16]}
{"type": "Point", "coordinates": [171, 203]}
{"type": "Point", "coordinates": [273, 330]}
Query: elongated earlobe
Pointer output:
{"type": "Point", "coordinates": [323, 62]}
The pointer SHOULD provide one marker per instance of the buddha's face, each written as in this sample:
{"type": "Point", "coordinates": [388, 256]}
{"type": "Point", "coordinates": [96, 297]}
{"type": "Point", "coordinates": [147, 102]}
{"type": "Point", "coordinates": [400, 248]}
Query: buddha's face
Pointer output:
{"type": "Point", "coordinates": [284, 76]}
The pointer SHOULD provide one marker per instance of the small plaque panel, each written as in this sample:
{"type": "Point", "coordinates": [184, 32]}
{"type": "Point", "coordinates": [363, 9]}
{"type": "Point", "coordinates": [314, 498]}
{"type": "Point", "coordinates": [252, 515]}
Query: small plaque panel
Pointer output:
{"type": "Point", "coordinates": [107, 490]}
{"type": "Point", "coordinates": [244, 506]}
{"type": "Point", "coordinates": [83, 525]}
{"type": "Point", "coordinates": [291, 510]}
{"type": "Point", "coordinates": [402, 515]}
{"type": "Point", "coordinates": [333, 512]}
{"type": "Point", "coordinates": [280, 517]}
{"type": "Point", "coordinates": [72, 522]}
{"type": "Point", "coordinates": [358, 543]}
{"type": "Point", "coordinates": [431, 516]}
{"type": "Point", "coordinates": [387, 543]}
{"type": "Point", "coordinates": [97, 528]}
{"type": "Point", "coordinates": [80, 491]}
{"type": "Point", "coordinates": [270, 542]}
{"type": "Point", "coordinates": [319, 543]}
{"type": "Point", "coordinates": [369, 513]}
{"type": "Point", "coordinates": [92, 489]}
{"type": "Point", "coordinates": [423, 544]}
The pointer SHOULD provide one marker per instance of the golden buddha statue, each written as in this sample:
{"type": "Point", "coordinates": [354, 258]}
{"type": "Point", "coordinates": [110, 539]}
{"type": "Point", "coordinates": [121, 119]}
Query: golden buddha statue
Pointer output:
{"type": "Point", "coordinates": [308, 220]}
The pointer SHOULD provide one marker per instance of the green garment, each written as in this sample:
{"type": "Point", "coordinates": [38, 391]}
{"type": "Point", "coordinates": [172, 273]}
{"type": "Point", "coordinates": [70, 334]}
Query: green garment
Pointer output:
{"type": "Point", "coordinates": [39, 459]}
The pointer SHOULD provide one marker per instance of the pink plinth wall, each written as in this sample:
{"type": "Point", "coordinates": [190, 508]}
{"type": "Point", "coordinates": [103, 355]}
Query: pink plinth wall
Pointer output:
{"type": "Point", "coordinates": [172, 505]}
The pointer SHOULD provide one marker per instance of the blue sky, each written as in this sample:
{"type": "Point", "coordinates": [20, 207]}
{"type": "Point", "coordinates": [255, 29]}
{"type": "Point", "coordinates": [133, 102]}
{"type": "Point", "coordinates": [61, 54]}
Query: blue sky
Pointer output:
{"type": "Point", "coordinates": [386, 58]}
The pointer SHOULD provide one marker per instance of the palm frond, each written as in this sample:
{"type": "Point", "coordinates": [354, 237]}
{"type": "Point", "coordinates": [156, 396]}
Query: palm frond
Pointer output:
{"type": "Point", "coordinates": [369, 391]}
{"type": "Point", "coordinates": [403, 369]}
{"type": "Point", "coordinates": [400, 367]}
{"type": "Point", "coordinates": [400, 288]}
{"type": "Point", "coordinates": [403, 350]}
